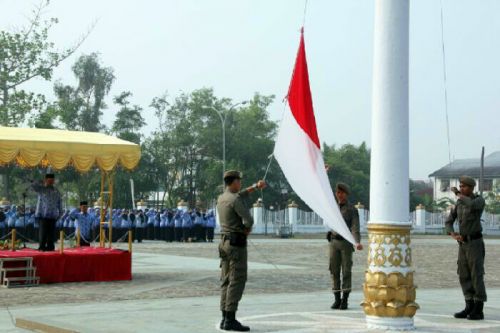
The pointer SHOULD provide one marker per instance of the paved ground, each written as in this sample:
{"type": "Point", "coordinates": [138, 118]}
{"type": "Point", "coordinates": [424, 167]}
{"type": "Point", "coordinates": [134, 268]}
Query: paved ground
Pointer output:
{"type": "Point", "coordinates": [175, 288]}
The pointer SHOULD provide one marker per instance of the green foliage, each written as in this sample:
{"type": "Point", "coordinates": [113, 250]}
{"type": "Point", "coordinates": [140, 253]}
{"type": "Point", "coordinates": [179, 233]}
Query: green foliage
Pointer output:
{"type": "Point", "coordinates": [350, 164]}
{"type": "Point", "coordinates": [24, 55]}
{"type": "Point", "coordinates": [440, 205]}
{"type": "Point", "coordinates": [187, 147]}
{"type": "Point", "coordinates": [129, 121]}
{"type": "Point", "coordinates": [420, 194]}
{"type": "Point", "coordinates": [493, 201]}
{"type": "Point", "coordinates": [80, 108]}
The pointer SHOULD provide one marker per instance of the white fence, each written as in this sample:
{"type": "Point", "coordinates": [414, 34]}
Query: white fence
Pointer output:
{"type": "Point", "coordinates": [434, 223]}
{"type": "Point", "coordinates": [293, 220]}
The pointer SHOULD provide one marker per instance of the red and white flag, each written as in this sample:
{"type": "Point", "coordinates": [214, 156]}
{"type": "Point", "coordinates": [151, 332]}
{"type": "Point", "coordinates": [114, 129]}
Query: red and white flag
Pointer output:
{"type": "Point", "coordinates": [298, 151]}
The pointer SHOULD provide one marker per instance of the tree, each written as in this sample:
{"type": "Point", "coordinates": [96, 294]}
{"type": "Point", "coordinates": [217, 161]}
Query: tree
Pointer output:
{"type": "Point", "coordinates": [80, 108]}
{"type": "Point", "coordinates": [127, 126]}
{"type": "Point", "coordinates": [421, 193]}
{"type": "Point", "coordinates": [350, 164]}
{"type": "Point", "coordinates": [27, 54]}
{"type": "Point", "coordinates": [129, 121]}
{"type": "Point", "coordinates": [187, 149]}
{"type": "Point", "coordinates": [24, 55]}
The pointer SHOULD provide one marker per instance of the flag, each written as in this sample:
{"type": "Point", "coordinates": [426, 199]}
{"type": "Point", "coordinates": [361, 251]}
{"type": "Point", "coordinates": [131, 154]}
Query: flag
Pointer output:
{"type": "Point", "coordinates": [298, 150]}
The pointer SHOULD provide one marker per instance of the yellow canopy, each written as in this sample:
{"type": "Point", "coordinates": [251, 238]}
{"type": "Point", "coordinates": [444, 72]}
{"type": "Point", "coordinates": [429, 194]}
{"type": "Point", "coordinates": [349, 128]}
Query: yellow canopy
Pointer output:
{"type": "Point", "coordinates": [30, 147]}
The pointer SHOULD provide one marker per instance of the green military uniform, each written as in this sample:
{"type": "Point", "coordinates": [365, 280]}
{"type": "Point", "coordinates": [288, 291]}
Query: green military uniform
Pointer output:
{"type": "Point", "coordinates": [468, 211]}
{"type": "Point", "coordinates": [235, 218]}
{"type": "Point", "coordinates": [471, 251]}
{"type": "Point", "coordinates": [341, 250]}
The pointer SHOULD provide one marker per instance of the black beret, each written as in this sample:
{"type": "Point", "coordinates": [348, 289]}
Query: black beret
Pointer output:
{"type": "Point", "coordinates": [84, 203]}
{"type": "Point", "coordinates": [49, 175]}
{"type": "Point", "coordinates": [232, 174]}
{"type": "Point", "coordinates": [468, 181]}
{"type": "Point", "coordinates": [344, 188]}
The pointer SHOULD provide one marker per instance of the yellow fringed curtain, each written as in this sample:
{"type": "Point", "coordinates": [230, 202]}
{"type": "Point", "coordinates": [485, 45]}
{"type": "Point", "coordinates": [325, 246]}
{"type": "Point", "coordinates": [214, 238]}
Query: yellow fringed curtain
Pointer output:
{"type": "Point", "coordinates": [30, 147]}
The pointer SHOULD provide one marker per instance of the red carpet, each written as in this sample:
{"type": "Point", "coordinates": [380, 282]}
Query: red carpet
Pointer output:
{"type": "Point", "coordinates": [78, 265]}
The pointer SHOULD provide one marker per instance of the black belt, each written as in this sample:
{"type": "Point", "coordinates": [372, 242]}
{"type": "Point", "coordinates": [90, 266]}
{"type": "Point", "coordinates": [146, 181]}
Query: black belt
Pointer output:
{"type": "Point", "coordinates": [338, 237]}
{"type": "Point", "coordinates": [468, 238]}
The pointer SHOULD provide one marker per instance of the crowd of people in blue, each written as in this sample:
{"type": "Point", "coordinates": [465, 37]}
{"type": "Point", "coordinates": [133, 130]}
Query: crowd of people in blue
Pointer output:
{"type": "Point", "coordinates": [170, 225]}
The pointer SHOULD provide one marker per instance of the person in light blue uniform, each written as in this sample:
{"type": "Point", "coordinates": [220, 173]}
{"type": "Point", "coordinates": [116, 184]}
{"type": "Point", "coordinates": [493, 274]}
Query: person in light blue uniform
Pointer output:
{"type": "Point", "coordinates": [83, 223]}
{"type": "Point", "coordinates": [48, 210]}
{"type": "Point", "coordinates": [178, 225]}
{"type": "Point", "coordinates": [20, 222]}
{"type": "Point", "coordinates": [91, 211]}
{"type": "Point", "coordinates": [28, 224]}
{"type": "Point", "coordinates": [11, 218]}
{"type": "Point", "coordinates": [210, 226]}
{"type": "Point", "coordinates": [163, 225]}
{"type": "Point", "coordinates": [198, 228]}
{"type": "Point", "coordinates": [187, 225]}
{"type": "Point", "coordinates": [65, 222]}
{"type": "Point", "coordinates": [36, 225]}
{"type": "Point", "coordinates": [3, 222]}
{"type": "Point", "coordinates": [59, 223]}
{"type": "Point", "coordinates": [140, 223]}
{"type": "Point", "coordinates": [117, 224]}
{"type": "Point", "coordinates": [31, 224]}
{"type": "Point", "coordinates": [150, 214]}
{"type": "Point", "coordinates": [71, 222]}
{"type": "Point", "coordinates": [157, 226]}
{"type": "Point", "coordinates": [125, 225]}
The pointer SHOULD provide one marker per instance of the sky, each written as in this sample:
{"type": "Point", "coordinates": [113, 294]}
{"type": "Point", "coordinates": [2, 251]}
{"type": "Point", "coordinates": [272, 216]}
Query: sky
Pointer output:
{"type": "Point", "coordinates": [242, 47]}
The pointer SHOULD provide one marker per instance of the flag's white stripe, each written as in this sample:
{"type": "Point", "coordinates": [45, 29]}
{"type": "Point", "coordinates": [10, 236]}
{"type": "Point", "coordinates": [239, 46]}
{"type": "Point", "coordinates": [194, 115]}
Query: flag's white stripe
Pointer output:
{"type": "Point", "coordinates": [304, 168]}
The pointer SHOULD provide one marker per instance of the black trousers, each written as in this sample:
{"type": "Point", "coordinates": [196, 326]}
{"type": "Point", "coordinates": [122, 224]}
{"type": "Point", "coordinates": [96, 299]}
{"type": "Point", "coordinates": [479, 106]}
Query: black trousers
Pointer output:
{"type": "Point", "coordinates": [139, 234]}
{"type": "Point", "coordinates": [170, 234]}
{"type": "Point", "coordinates": [210, 234]}
{"type": "Point", "coordinates": [178, 234]}
{"type": "Point", "coordinates": [47, 234]}
{"type": "Point", "coordinates": [83, 242]}
{"type": "Point", "coordinates": [150, 233]}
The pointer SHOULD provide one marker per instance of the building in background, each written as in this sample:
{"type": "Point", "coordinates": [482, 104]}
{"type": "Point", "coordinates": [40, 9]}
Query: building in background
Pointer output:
{"type": "Point", "coordinates": [447, 177]}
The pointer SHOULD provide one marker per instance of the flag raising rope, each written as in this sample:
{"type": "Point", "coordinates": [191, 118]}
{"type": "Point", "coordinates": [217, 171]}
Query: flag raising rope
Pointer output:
{"type": "Point", "coordinates": [298, 150]}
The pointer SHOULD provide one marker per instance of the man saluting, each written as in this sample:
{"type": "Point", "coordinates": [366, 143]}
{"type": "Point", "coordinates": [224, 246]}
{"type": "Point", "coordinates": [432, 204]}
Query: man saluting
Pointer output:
{"type": "Point", "coordinates": [468, 211]}
{"type": "Point", "coordinates": [48, 211]}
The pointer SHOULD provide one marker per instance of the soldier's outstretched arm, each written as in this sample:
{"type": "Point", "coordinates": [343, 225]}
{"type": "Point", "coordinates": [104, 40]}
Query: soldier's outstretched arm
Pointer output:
{"type": "Point", "coordinates": [474, 203]}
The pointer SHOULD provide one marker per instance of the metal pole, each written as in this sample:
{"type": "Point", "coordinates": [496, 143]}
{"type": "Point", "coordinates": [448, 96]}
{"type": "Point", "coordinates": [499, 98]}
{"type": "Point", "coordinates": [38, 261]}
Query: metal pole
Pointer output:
{"type": "Point", "coordinates": [223, 119]}
{"type": "Point", "coordinates": [13, 240]}
{"type": "Point", "coordinates": [61, 242]}
{"type": "Point", "coordinates": [102, 239]}
{"type": "Point", "coordinates": [481, 174]}
{"type": "Point", "coordinates": [110, 185]}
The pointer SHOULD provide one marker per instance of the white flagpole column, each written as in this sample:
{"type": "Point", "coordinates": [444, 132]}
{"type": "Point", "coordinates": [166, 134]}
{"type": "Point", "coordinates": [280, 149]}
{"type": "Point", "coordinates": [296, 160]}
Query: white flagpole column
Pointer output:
{"type": "Point", "coordinates": [389, 291]}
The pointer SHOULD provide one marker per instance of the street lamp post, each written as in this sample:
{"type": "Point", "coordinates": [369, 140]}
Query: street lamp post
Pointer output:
{"type": "Point", "coordinates": [222, 117]}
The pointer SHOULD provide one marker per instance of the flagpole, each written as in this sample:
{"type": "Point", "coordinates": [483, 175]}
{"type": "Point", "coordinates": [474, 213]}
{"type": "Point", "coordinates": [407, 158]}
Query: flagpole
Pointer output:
{"type": "Point", "coordinates": [389, 293]}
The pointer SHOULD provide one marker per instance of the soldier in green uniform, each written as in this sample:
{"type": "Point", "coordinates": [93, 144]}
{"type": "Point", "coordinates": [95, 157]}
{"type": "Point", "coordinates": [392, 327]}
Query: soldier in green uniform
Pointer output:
{"type": "Point", "coordinates": [341, 250]}
{"type": "Point", "coordinates": [236, 224]}
{"type": "Point", "coordinates": [468, 211]}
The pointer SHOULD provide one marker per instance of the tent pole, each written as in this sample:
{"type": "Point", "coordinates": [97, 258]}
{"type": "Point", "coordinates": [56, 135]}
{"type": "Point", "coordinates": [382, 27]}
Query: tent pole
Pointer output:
{"type": "Point", "coordinates": [110, 189]}
{"type": "Point", "coordinates": [103, 213]}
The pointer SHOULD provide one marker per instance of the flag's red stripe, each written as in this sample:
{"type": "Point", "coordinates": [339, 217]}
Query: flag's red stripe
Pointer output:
{"type": "Point", "coordinates": [299, 95]}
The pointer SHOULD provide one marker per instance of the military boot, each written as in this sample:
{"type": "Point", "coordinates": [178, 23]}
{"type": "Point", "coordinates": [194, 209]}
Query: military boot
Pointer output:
{"type": "Point", "coordinates": [477, 311]}
{"type": "Point", "coordinates": [469, 305]}
{"type": "Point", "coordinates": [231, 324]}
{"type": "Point", "coordinates": [343, 303]}
{"type": "Point", "coordinates": [336, 304]}
{"type": "Point", "coordinates": [221, 326]}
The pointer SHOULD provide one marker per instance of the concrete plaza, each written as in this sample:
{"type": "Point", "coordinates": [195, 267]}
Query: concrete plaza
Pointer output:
{"type": "Point", "coordinates": [175, 289]}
